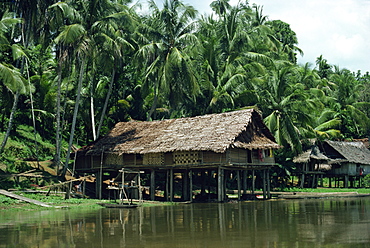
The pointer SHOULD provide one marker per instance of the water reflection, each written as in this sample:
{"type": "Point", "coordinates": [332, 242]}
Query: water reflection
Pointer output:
{"type": "Point", "coordinates": [314, 223]}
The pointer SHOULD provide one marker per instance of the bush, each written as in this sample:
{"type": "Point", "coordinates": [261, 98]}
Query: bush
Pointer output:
{"type": "Point", "coordinates": [366, 181]}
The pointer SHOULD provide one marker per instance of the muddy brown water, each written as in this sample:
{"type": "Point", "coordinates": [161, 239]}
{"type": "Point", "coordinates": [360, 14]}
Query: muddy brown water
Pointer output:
{"type": "Point", "coordinates": [282, 223]}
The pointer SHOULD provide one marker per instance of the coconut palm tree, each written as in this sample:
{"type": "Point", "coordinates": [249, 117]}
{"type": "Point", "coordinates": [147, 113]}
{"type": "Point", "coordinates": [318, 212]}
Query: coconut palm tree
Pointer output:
{"type": "Point", "coordinates": [287, 104]}
{"type": "Point", "coordinates": [10, 76]}
{"type": "Point", "coordinates": [166, 53]}
{"type": "Point", "coordinates": [230, 57]}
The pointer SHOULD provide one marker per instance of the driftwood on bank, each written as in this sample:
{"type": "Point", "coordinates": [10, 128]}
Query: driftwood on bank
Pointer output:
{"type": "Point", "coordinates": [22, 198]}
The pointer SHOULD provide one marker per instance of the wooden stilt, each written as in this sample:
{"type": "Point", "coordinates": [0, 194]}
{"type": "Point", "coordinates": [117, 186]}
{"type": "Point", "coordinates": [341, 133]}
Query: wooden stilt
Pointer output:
{"type": "Point", "coordinates": [190, 185]}
{"type": "Point", "coordinates": [302, 180]}
{"type": "Point", "coordinates": [253, 182]}
{"type": "Point", "coordinates": [313, 181]}
{"type": "Point", "coordinates": [203, 183]}
{"type": "Point", "coordinates": [346, 181]}
{"type": "Point", "coordinates": [98, 185]}
{"type": "Point", "coordinates": [167, 191]}
{"type": "Point", "coordinates": [171, 185]}
{"type": "Point", "coordinates": [84, 186]}
{"type": "Point", "coordinates": [224, 179]}
{"type": "Point", "coordinates": [219, 184]}
{"type": "Point", "coordinates": [185, 185]}
{"type": "Point", "coordinates": [268, 183]}
{"type": "Point", "coordinates": [264, 183]}
{"type": "Point", "coordinates": [245, 175]}
{"type": "Point", "coordinates": [239, 184]}
{"type": "Point", "coordinates": [152, 185]}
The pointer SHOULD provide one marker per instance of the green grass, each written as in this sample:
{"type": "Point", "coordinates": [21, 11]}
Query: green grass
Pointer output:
{"type": "Point", "coordinates": [10, 204]}
{"type": "Point", "coordinates": [329, 190]}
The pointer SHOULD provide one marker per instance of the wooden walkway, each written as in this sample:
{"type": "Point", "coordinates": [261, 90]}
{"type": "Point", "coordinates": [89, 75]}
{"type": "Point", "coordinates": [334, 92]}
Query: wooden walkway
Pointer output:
{"type": "Point", "coordinates": [22, 198]}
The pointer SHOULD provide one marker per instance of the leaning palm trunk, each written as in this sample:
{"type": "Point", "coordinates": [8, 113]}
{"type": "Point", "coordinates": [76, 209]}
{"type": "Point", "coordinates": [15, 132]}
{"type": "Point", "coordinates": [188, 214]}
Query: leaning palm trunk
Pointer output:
{"type": "Point", "coordinates": [77, 103]}
{"type": "Point", "coordinates": [10, 124]}
{"type": "Point", "coordinates": [106, 103]}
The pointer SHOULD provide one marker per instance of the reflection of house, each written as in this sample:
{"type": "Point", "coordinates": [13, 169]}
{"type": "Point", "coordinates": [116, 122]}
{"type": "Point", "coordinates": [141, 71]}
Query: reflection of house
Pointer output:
{"type": "Point", "coordinates": [338, 159]}
{"type": "Point", "coordinates": [212, 145]}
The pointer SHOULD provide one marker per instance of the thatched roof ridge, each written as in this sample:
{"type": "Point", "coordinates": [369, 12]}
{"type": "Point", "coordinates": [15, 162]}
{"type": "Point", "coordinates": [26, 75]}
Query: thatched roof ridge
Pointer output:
{"type": "Point", "coordinates": [213, 132]}
{"type": "Point", "coordinates": [354, 152]}
{"type": "Point", "coordinates": [313, 153]}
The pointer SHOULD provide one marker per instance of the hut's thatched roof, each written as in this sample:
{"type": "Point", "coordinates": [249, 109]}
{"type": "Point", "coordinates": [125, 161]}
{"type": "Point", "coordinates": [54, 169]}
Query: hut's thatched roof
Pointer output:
{"type": "Point", "coordinates": [313, 153]}
{"type": "Point", "coordinates": [353, 152]}
{"type": "Point", "coordinates": [213, 132]}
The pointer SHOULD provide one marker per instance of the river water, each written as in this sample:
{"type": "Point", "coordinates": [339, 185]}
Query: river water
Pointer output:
{"type": "Point", "coordinates": [282, 223]}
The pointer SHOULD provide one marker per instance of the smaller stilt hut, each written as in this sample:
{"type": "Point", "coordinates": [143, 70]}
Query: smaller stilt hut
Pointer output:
{"type": "Point", "coordinates": [214, 145]}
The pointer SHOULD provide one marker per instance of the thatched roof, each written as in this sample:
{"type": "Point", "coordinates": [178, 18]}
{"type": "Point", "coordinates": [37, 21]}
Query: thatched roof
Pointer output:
{"type": "Point", "coordinates": [213, 132]}
{"type": "Point", "coordinates": [353, 152]}
{"type": "Point", "coordinates": [313, 153]}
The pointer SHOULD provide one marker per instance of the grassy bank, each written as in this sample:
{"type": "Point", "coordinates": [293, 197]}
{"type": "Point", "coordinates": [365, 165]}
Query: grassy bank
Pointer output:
{"type": "Point", "coordinates": [7, 203]}
{"type": "Point", "coordinates": [329, 190]}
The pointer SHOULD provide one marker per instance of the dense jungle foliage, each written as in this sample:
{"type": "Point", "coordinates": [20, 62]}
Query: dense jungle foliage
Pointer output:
{"type": "Point", "coordinates": [70, 70]}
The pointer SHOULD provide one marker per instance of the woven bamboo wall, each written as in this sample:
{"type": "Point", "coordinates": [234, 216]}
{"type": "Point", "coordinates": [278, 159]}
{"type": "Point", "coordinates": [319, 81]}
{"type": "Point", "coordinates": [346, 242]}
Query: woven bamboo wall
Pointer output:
{"type": "Point", "coordinates": [213, 157]}
{"type": "Point", "coordinates": [112, 160]}
{"type": "Point", "coordinates": [238, 155]}
{"type": "Point", "coordinates": [186, 157]}
{"type": "Point", "coordinates": [153, 159]}
{"type": "Point", "coordinates": [95, 161]}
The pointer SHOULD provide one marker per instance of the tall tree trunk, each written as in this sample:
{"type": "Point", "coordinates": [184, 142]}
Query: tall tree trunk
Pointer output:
{"type": "Point", "coordinates": [152, 109]}
{"type": "Point", "coordinates": [106, 103]}
{"type": "Point", "coordinates": [92, 111]}
{"type": "Point", "coordinates": [77, 103]}
{"type": "Point", "coordinates": [154, 104]}
{"type": "Point", "coordinates": [58, 108]}
{"type": "Point", "coordinates": [11, 118]}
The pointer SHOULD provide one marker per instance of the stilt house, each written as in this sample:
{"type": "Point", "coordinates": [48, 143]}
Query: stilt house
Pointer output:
{"type": "Point", "coordinates": [212, 145]}
{"type": "Point", "coordinates": [338, 160]}
{"type": "Point", "coordinates": [349, 160]}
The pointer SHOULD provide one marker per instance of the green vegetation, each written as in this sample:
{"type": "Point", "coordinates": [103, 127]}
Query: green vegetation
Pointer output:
{"type": "Point", "coordinates": [329, 190]}
{"type": "Point", "coordinates": [10, 204]}
{"type": "Point", "coordinates": [70, 70]}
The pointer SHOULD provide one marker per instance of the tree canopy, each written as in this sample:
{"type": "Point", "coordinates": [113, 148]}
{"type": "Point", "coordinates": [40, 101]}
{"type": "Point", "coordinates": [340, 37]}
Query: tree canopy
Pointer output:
{"type": "Point", "coordinates": [71, 70]}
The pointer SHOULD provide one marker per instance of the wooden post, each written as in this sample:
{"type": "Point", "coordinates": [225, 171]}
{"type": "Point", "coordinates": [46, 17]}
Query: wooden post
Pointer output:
{"type": "Point", "coordinates": [84, 186]}
{"type": "Point", "coordinates": [253, 182]}
{"type": "Point", "coordinates": [245, 175]}
{"type": "Point", "coordinates": [224, 179]}
{"type": "Point", "coordinates": [190, 185]}
{"type": "Point", "coordinates": [152, 185]}
{"type": "Point", "coordinates": [239, 184]}
{"type": "Point", "coordinates": [185, 185]}
{"type": "Point", "coordinates": [220, 182]}
{"type": "Point", "coordinates": [264, 183]}
{"type": "Point", "coordinates": [139, 188]}
{"type": "Point", "coordinates": [166, 193]}
{"type": "Point", "coordinates": [268, 183]}
{"type": "Point", "coordinates": [98, 185]}
{"type": "Point", "coordinates": [302, 180]}
{"type": "Point", "coordinates": [313, 181]}
{"type": "Point", "coordinates": [171, 185]}
{"type": "Point", "coordinates": [346, 181]}
{"type": "Point", "coordinates": [203, 183]}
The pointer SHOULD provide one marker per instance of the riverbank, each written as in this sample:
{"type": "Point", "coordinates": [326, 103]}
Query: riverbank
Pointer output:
{"type": "Point", "coordinates": [58, 201]}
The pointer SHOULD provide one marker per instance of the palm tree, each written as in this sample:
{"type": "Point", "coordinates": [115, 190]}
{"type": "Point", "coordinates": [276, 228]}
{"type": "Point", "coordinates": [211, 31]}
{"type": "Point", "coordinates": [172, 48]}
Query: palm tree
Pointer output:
{"type": "Point", "coordinates": [288, 105]}
{"type": "Point", "coordinates": [15, 83]}
{"type": "Point", "coordinates": [166, 55]}
{"type": "Point", "coordinates": [345, 91]}
{"type": "Point", "coordinates": [230, 57]}
{"type": "Point", "coordinates": [10, 76]}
